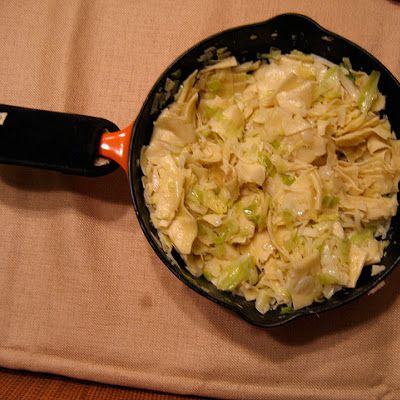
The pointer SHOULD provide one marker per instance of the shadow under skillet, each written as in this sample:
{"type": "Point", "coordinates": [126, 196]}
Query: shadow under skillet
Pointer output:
{"type": "Point", "coordinates": [88, 195]}
{"type": "Point", "coordinates": [300, 334]}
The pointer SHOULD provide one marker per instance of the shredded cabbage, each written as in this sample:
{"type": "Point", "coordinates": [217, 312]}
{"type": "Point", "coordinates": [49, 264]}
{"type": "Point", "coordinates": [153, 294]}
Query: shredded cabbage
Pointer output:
{"type": "Point", "coordinates": [275, 179]}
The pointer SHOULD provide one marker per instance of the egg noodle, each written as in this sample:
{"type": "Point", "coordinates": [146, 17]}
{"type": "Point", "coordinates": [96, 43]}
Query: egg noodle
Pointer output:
{"type": "Point", "coordinates": [275, 179]}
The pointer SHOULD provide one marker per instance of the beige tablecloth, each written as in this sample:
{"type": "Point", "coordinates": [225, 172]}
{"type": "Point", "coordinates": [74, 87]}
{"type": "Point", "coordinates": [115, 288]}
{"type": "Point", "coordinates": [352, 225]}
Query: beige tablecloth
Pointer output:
{"type": "Point", "coordinates": [81, 292]}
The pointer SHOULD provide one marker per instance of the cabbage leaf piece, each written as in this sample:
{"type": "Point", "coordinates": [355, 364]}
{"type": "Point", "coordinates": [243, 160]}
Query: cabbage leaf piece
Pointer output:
{"type": "Point", "coordinates": [241, 270]}
{"type": "Point", "coordinates": [183, 231]}
{"type": "Point", "coordinates": [369, 92]}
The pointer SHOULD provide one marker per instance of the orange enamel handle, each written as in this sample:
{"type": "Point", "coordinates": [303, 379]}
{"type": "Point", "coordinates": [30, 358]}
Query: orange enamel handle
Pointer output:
{"type": "Point", "coordinates": [115, 145]}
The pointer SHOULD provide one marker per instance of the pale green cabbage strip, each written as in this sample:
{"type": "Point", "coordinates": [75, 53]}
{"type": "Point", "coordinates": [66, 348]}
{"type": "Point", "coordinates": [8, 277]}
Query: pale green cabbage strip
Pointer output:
{"type": "Point", "coordinates": [275, 180]}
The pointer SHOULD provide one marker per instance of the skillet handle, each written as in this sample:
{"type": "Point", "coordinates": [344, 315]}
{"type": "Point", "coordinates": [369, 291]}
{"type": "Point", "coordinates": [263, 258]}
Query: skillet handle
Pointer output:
{"type": "Point", "coordinates": [116, 146]}
{"type": "Point", "coordinates": [52, 140]}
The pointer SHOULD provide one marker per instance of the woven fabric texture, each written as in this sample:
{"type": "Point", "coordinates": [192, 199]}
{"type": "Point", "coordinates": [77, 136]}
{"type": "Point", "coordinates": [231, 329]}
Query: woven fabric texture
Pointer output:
{"type": "Point", "coordinates": [81, 292]}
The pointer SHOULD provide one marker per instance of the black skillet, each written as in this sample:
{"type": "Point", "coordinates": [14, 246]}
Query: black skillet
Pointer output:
{"type": "Point", "coordinates": [73, 143]}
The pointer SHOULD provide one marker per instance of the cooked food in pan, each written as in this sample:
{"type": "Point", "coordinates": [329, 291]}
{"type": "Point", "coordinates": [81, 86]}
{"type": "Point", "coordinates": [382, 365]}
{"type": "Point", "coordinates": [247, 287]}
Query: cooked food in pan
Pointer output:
{"type": "Point", "coordinates": [275, 179]}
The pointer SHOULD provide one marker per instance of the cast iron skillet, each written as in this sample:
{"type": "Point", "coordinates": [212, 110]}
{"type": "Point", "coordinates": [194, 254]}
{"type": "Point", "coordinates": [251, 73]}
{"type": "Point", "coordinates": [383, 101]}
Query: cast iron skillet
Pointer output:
{"type": "Point", "coordinates": [72, 143]}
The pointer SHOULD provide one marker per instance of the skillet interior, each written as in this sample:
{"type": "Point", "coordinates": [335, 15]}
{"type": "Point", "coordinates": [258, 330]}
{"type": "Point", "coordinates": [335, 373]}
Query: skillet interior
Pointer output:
{"type": "Point", "coordinates": [286, 32]}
